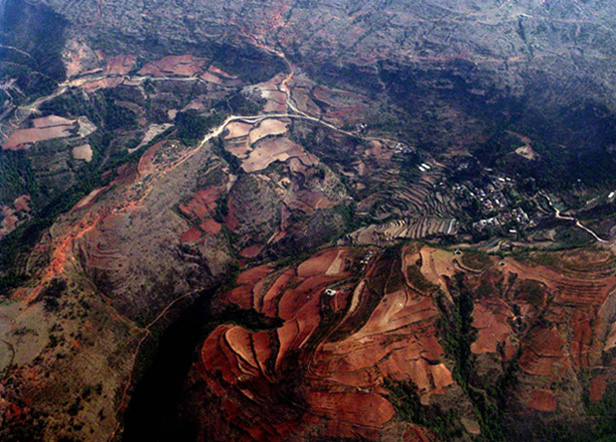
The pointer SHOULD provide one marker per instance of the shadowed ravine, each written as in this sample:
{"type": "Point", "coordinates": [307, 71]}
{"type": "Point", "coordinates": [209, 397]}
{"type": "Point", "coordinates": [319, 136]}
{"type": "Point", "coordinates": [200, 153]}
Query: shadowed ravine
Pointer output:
{"type": "Point", "coordinates": [152, 412]}
{"type": "Point", "coordinates": [155, 411]}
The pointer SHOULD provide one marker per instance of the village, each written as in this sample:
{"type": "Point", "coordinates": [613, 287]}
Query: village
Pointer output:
{"type": "Point", "coordinates": [494, 206]}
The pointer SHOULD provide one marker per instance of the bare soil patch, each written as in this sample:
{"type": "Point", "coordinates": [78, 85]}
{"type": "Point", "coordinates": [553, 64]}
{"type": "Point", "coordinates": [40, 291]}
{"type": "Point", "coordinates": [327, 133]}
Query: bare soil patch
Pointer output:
{"type": "Point", "coordinates": [269, 127]}
{"type": "Point", "coordinates": [270, 150]}
{"type": "Point", "coordinates": [83, 152]}
{"type": "Point", "coordinates": [119, 64]}
{"type": "Point", "coordinates": [46, 128]}
{"type": "Point", "coordinates": [103, 83]}
{"type": "Point", "coordinates": [527, 152]}
{"type": "Point", "coordinates": [542, 401]}
{"type": "Point", "coordinates": [178, 65]}
{"type": "Point", "coordinates": [237, 129]}
{"type": "Point", "coordinates": [597, 388]}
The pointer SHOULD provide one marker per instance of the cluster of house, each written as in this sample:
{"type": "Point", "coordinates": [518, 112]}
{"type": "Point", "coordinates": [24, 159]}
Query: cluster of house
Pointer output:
{"type": "Point", "coordinates": [495, 205]}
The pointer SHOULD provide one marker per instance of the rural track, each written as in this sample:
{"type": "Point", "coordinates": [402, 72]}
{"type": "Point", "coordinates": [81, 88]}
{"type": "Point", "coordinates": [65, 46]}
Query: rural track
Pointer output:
{"type": "Point", "coordinates": [558, 215]}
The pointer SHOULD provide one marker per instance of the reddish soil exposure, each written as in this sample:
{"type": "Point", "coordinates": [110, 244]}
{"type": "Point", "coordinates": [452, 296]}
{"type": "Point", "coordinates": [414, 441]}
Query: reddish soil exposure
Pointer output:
{"type": "Point", "coordinates": [336, 348]}
{"type": "Point", "coordinates": [542, 401]}
{"type": "Point", "coordinates": [348, 114]}
{"type": "Point", "coordinates": [351, 321]}
{"type": "Point", "coordinates": [341, 106]}
{"type": "Point", "coordinates": [120, 64]}
{"type": "Point", "coordinates": [178, 65]}
{"type": "Point", "coordinates": [127, 174]}
{"type": "Point", "coordinates": [103, 83]}
{"type": "Point", "coordinates": [570, 291]}
{"type": "Point", "coordinates": [217, 76]}
{"type": "Point", "coordinates": [492, 319]}
{"type": "Point", "coordinates": [231, 220]}
{"type": "Point", "coordinates": [597, 388]}
{"type": "Point", "coordinates": [581, 344]}
{"type": "Point", "coordinates": [200, 210]}
{"type": "Point", "coordinates": [251, 252]}
{"type": "Point", "coordinates": [46, 128]}
{"type": "Point", "coordinates": [202, 204]}
{"type": "Point", "coordinates": [220, 72]}
{"type": "Point", "coordinates": [81, 60]}
{"type": "Point", "coordinates": [13, 216]}
{"type": "Point", "coordinates": [543, 348]}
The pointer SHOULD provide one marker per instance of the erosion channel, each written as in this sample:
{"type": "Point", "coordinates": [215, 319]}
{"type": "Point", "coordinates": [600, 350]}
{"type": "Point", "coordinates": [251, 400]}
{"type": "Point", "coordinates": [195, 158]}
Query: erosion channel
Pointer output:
{"type": "Point", "coordinates": [154, 411]}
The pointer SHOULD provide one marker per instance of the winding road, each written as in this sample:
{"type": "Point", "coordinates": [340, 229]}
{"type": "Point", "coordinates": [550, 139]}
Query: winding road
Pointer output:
{"type": "Point", "coordinates": [558, 215]}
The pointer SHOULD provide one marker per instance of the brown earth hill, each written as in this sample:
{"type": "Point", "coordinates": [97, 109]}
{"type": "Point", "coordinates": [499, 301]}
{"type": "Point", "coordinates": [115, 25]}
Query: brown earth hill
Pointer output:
{"type": "Point", "coordinates": [365, 332]}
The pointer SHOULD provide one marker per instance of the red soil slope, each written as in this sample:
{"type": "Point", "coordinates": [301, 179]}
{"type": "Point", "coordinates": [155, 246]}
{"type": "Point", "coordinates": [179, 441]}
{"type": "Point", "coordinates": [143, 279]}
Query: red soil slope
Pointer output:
{"type": "Point", "coordinates": [336, 349]}
{"type": "Point", "coordinates": [174, 65]}
{"type": "Point", "coordinates": [200, 210]}
{"type": "Point", "coordinates": [352, 321]}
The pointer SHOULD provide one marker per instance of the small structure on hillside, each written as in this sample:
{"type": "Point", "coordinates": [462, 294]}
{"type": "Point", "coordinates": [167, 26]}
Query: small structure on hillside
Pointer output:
{"type": "Point", "coordinates": [330, 292]}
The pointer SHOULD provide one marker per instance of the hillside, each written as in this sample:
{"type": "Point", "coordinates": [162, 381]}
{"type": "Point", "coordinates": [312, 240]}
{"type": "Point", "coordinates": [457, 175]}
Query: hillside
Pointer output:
{"type": "Point", "coordinates": [413, 343]}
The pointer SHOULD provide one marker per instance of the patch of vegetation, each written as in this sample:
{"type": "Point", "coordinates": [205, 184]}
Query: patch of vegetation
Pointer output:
{"type": "Point", "coordinates": [117, 117]}
{"type": "Point", "coordinates": [573, 144]}
{"type": "Point", "coordinates": [192, 126]}
{"type": "Point", "coordinates": [233, 161]}
{"type": "Point", "coordinates": [71, 104]}
{"type": "Point", "coordinates": [248, 63]}
{"type": "Point", "coordinates": [418, 281]}
{"type": "Point", "coordinates": [605, 427]}
{"type": "Point", "coordinates": [212, 176]}
{"type": "Point", "coordinates": [10, 281]}
{"type": "Point", "coordinates": [248, 319]}
{"type": "Point", "coordinates": [27, 235]}
{"type": "Point", "coordinates": [222, 208]}
{"type": "Point", "coordinates": [446, 424]}
{"type": "Point", "coordinates": [36, 29]}
{"type": "Point", "coordinates": [578, 260]}
{"type": "Point", "coordinates": [89, 389]}
{"type": "Point", "coordinates": [240, 104]}
{"type": "Point", "coordinates": [29, 428]}
{"type": "Point", "coordinates": [475, 260]}
{"type": "Point", "coordinates": [16, 177]}
{"type": "Point", "coordinates": [602, 428]}
{"type": "Point", "coordinates": [347, 212]}
{"type": "Point", "coordinates": [459, 335]}
{"type": "Point", "coordinates": [532, 290]}
{"type": "Point", "coordinates": [76, 407]}
{"type": "Point", "coordinates": [52, 293]}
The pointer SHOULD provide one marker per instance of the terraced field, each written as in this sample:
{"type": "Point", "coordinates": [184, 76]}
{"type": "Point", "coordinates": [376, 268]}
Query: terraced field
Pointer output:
{"type": "Point", "coordinates": [357, 321]}
{"type": "Point", "coordinates": [424, 208]}
{"type": "Point", "coordinates": [342, 334]}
